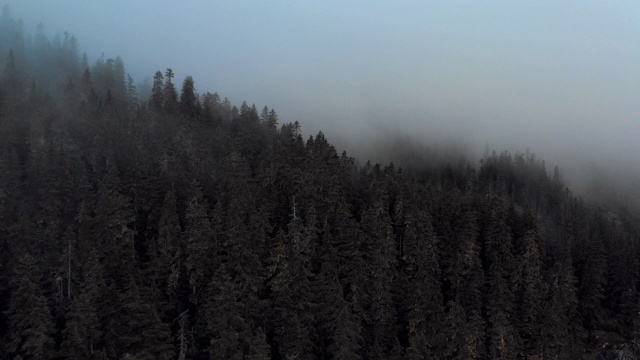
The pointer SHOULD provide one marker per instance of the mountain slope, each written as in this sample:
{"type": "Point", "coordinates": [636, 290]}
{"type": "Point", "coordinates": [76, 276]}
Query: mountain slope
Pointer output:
{"type": "Point", "coordinates": [181, 226]}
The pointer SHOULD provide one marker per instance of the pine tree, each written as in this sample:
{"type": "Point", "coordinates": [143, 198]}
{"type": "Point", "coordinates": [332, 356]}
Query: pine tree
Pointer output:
{"type": "Point", "coordinates": [119, 88]}
{"type": "Point", "coordinates": [156, 101]}
{"type": "Point", "coordinates": [532, 297]}
{"type": "Point", "coordinates": [31, 325]}
{"type": "Point", "coordinates": [10, 173]}
{"type": "Point", "coordinates": [200, 240]}
{"type": "Point", "coordinates": [233, 309]}
{"type": "Point", "coordinates": [4, 246]}
{"type": "Point", "coordinates": [379, 256]}
{"type": "Point", "coordinates": [228, 314]}
{"type": "Point", "coordinates": [132, 95]}
{"type": "Point", "coordinates": [69, 262]}
{"type": "Point", "coordinates": [142, 334]}
{"type": "Point", "coordinates": [188, 100]}
{"type": "Point", "coordinates": [170, 94]}
{"type": "Point", "coordinates": [562, 332]}
{"type": "Point", "coordinates": [12, 80]}
{"type": "Point", "coordinates": [423, 301]}
{"type": "Point", "coordinates": [167, 252]}
{"type": "Point", "coordinates": [347, 239]}
{"type": "Point", "coordinates": [504, 341]}
{"type": "Point", "coordinates": [466, 330]}
{"type": "Point", "coordinates": [82, 335]}
{"type": "Point", "coordinates": [211, 107]}
{"type": "Point", "coordinates": [338, 330]}
{"type": "Point", "coordinates": [293, 301]}
{"type": "Point", "coordinates": [112, 228]}
{"type": "Point", "coordinates": [591, 269]}
{"type": "Point", "coordinates": [88, 98]}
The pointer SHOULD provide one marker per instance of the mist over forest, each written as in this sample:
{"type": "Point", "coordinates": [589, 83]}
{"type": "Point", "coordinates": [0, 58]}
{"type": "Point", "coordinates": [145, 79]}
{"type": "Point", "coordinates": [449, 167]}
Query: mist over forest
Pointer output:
{"type": "Point", "coordinates": [427, 187]}
{"type": "Point", "coordinates": [557, 82]}
{"type": "Point", "coordinates": [557, 79]}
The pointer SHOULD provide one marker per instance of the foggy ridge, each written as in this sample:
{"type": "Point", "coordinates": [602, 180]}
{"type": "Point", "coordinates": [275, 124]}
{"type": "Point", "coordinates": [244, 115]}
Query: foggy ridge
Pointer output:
{"type": "Point", "coordinates": [555, 78]}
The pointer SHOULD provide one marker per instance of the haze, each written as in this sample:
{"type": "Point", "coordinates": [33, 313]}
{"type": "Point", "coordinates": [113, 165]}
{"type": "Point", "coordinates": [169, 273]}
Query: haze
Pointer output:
{"type": "Point", "coordinates": [560, 78]}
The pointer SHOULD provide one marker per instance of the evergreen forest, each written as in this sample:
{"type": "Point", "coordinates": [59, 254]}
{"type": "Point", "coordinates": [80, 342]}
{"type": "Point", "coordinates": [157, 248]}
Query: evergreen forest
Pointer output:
{"type": "Point", "coordinates": [181, 226]}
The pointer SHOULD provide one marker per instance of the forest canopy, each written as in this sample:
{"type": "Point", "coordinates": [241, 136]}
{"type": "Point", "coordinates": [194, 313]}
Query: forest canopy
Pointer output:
{"type": "Point", "coordinates": [180, 226]}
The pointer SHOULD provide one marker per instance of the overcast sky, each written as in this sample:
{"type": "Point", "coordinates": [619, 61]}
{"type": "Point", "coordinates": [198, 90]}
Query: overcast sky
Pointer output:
{"type": "Point", "coordinates": [555, 76]}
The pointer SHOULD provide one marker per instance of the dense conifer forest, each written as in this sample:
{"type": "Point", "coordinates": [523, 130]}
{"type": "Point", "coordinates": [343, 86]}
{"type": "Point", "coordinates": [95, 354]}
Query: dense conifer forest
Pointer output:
{"type": "Point", "coordinates": [180, 226]}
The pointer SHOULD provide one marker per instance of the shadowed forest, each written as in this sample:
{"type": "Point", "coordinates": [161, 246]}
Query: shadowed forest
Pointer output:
{"type": "Point", "coordinates": [181, 226]}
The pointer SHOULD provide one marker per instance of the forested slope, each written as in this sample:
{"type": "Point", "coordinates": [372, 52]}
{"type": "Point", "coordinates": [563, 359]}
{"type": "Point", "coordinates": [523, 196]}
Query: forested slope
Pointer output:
{"type": "Point", "coordinates": [182, 227]}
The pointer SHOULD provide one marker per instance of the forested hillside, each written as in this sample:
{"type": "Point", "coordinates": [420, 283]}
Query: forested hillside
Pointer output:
{"type": "Point", "coordinates": [183, 227]}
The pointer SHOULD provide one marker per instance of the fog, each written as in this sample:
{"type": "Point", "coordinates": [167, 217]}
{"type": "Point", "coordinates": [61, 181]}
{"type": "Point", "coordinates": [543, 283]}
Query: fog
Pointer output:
{"type": "Point", "coordinates": [559, 78]}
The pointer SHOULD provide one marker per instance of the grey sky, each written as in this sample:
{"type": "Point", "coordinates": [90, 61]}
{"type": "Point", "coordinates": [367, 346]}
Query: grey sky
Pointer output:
{"type": "Point", "coordinates": [560, 77]}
